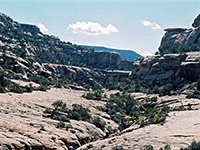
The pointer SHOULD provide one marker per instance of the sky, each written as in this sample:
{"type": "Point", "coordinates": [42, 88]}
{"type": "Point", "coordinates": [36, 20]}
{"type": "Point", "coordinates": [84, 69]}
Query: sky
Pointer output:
{"type": "Point", "coordinates": [124, 24]}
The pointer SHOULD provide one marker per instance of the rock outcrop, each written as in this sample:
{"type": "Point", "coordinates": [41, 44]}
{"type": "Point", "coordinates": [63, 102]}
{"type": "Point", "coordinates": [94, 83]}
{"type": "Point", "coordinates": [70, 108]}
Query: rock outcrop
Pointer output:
{"type": "Point", "coordinates": [103, 58]}
{"type": "Point", "coordinates": [22, 125]}
{"type": "Point", "coordinates": [178, 40]}
{"type": "Point", "coordinates": [169, 68]}
{"type": "Point", "coordinates": [27, 41]}
{"type": "Point", "coordinates": [196, 22]}
{"type": "Point", "coordinates": [85, 75]}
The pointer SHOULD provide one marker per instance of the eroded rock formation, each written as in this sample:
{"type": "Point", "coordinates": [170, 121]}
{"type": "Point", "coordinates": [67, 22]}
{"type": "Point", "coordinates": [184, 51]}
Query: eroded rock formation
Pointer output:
{"type": "Point", "coordinates": [196, 22]}
{"type": "Point", "coordinates": [169, 68]}
{"type": "Point", "coordinates": [178, 40]}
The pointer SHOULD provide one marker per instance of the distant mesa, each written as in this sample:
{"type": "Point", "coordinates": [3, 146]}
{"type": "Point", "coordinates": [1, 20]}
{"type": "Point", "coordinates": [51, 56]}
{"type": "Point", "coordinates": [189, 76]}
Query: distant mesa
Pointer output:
{"type": "Point", "coordinates": [124, 54]}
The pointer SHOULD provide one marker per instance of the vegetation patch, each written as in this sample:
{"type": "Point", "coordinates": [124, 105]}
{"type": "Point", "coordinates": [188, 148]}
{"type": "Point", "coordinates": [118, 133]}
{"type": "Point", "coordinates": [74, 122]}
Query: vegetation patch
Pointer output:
{"type": "Point", "coordinates": [61, 113]}
{"type": "Point", "coordinates": [125, 110]}
{"type": "Point", "coordinates": [96, 95]}
{"type": "Point", "coordinates": [193, 146]}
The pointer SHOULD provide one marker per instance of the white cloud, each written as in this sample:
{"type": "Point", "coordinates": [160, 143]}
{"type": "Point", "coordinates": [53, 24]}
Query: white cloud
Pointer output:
{"type": "Point", "coordinates": [91, 28]}
{"type": "Point", "coordinates": [42, 28]}
{"type": "Point", "coordinates": [153, 26]}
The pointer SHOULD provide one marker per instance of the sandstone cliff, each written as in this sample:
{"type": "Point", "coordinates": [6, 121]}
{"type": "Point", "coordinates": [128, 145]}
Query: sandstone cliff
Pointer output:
{"type": "Point", "coordinates": [169, 68]}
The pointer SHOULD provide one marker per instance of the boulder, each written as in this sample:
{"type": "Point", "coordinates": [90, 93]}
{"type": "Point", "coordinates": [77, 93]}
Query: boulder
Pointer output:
{"type": "Point", "coordinates": [178, 40]}
{"type": "Point", "coordinates": [86, 131]}
{"type": "Point", "coordinates": [61, 69]}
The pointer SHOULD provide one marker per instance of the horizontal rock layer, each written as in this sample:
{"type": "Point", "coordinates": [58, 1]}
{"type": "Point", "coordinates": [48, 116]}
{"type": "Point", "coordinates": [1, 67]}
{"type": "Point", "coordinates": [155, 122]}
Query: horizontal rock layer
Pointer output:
{"type": "Point", "coordinates": [173, 68]}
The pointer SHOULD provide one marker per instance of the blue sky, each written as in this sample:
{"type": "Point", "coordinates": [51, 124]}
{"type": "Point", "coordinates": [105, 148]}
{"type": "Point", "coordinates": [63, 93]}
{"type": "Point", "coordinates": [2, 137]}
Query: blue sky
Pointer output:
{"type": "Point", "coordinates": [126, 24]}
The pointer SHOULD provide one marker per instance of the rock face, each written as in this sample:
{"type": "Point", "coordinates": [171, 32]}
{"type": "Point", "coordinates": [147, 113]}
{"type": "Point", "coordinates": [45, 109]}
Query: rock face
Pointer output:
{"type": "Point", "coordinates": [22, 125]}
{"type": "Point", "coordinates": [196, 22]}
{"type": "Point", "coordinates": [86, 75]}
{"type": "Point", "coordinates": [169, 68]}
{"type": "Point", "coordinates": [181, 40]}
{"type": "Point", "coordinates": [103, 58]}
{"type": "Point", "coordinates": [26, 40]}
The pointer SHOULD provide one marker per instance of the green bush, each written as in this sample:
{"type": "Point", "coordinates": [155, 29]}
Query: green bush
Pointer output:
{"type": "Point", "coordinates": [96, 95]}
{"type": "Point", "coordinates": [42, 88]}
{"type": "Point", "coordinates": [194, 146]}
{"type": "Point", "coordinates": [118, 148]}
{"type": "Point", "coordinates": [79, 113]}
{"type": "Point", "coordinates": [39, 79]}
{"type": "Point", "coordinates": [61, 113]}
{"type": "Point", "coordinates": [99, 123]}
{"type": "Point", "coordinates": [16, 88]}
{"type": "Point", "coordinates": [167, 147]}
{"type": "Point", "coordinates": [4, 81]}
{"type": "Point", "coordinates": [165, 89]}
{"type": "Point", "coordinates": [122, 106]}
{"type": "Point", "coordinates": [29, 88]}
{"type": "Point", "coordinates": [148, 147]}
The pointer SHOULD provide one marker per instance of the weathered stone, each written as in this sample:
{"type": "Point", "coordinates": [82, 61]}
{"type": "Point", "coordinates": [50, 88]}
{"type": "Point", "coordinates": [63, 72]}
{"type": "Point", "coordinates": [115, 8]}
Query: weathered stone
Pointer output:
{"type": "Point", "coordinates": [181, 39]}
{"type": "Point", "coordinates": [173, 68]}
{"type": "Point", "coordinates": [196, 22]}
{"type": "Point", "coordinates": [86, 75]}
{"type": "Point", "coordinates": [175, 29]}
{"type": "Point", "coordinates": [104, 58]}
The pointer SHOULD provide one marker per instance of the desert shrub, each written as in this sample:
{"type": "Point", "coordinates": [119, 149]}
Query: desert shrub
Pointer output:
{"type": "Point", "coordinates": [19, 69]}
{"type": "Point", "coordinates": [121, 105]}
{"type": "Point", "coordinates": [96, 87]}
{"type": "Point", "coordinates": [39, 79]}
{"type": "Point", "coordinates": [111, 86]}
{"type": "Point", "coordinates": [110, 130]}
{"type": "Point", "coordinates": [193, 94]}
{"type": "Point", "coordinates": [29, 88]}
{"type": "Point", "coordinates": [79, 113]}
{"type": "Point", "coordinates": [148, 147]}
{"type": "Point", "coordinates": [19, 51]}
{"type": "Point", "coordinates": [4, 81]}
{"type": "Point", "coordinates": [67, 127]}
{"type": "Point", "coordinates": [118, 148]}
{"type": "Point", "coordinates": [16, 88]}
{"type": "Point", "coordinates": [125, 104]}
{"type": "Point", "coordinates": [96, 95]}
{"type": "Point", "coordinates": [167, 147]}
{"type": "Point", "coordinates": [99, 123]}
{"type": "Point", "coordinates": [42, 88]}
{"type": "Point", "coordinates": [194, 146]}
{"type": "Point", "coordinates": [72, 131]}
{"type": "Point", "coordinates": [165, 89]}
{"type": "Point", "coordinates": [61, 113]}
{"type": "Point", "coordinates": [58, 85]}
